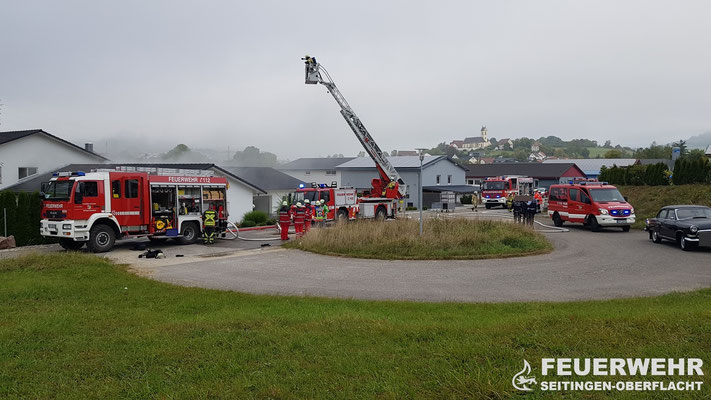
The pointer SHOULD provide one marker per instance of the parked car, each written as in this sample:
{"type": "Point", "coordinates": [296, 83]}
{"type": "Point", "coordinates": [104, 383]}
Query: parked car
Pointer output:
{"type": "Point", "coordinates": [689, 226]}
{"type": "Point", "coordinates": [592, 203]}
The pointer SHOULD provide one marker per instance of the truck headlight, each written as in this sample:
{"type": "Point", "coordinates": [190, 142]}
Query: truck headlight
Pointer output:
{"type": "Point", "coordinates": [693, 228]}
{"type": "Point", "coordinates": [602, 211]}
{"type": "Point", "coordinates": [66, 226]}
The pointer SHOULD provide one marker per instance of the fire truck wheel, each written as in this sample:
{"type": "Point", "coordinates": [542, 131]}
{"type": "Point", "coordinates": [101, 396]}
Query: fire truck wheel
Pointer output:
{"type": "Point", "coordinates": [342, 215]}
{"type": "Point", "coordinates": [557, 220]}
{"type": "Point", "coordinates": [594, 225]}
{"type": "Point", "coordinates": [626, 228]}
{"type": "Point", "coordinates": [380, 213]}
{"type": "Point", "coordinates": [488, 206]}
{"type": "Point", "coordinates": [101, 238]}
{"type": "Point", "coordinates": [69, 244]}
{"type": "Point", "coordinates": [190, 233]}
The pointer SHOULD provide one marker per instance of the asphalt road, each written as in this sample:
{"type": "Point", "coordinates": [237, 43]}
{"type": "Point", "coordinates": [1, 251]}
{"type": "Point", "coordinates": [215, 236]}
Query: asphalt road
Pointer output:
{"type": "Point", "coordinates": [584, 265]}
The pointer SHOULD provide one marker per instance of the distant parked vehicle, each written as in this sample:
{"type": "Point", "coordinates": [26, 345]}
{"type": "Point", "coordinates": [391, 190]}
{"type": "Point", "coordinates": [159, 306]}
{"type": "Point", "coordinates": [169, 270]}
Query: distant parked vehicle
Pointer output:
{"type": "Point", "coordinates": [689, 226]}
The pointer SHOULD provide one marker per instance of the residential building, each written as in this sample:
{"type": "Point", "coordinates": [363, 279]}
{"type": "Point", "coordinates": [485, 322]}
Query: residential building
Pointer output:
{"type": "Point", "coordinates": [457, 144]}
{"type": "Point", "coordinates": [276, 184]}
{"type": "Point", "coordinates": [537, 156]}
{"type": "Point", "coordinates": [502, 143]}
{"type": "Point", "coordinates": [437, 171]}
{"type": "Point", "coordinates": [544, 174]}
{"type": "Point", "coordinates": [239, 194]}
{"type": "Point", "coordinates": [317, 170]}
{"type": "Point", "coordinates": [536, 146]}
{"type": "Point", "coordinates": [25, 154]}
{"type": "Point", "coordinates": [592, 166]}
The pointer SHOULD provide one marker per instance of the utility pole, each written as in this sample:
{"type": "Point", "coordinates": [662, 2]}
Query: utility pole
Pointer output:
{"type": "Point", "coordinates": [419, 189]}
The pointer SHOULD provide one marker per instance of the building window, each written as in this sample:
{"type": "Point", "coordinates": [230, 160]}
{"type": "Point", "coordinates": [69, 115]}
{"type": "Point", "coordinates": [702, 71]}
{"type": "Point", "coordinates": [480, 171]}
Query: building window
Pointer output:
{"type": "Point", "coordinates": [439, 177]}
{"type": "Point", "coordinates": [449, 179]}
{"type": "Point", "coordinates": [470, 181]}
{"type": "Point", "coordinates": [330, 172]}
{"type": "Point", "coordinates": [24, 172]}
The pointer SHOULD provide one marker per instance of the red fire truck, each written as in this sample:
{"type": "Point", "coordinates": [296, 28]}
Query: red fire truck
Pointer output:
{"type": "Point", "coordinates": [97, 208]}
{"type": "Point", "coordinates": [345, 204]}
{"type": "Point", "coordinates": [592, 203]}
{"type": "Point", "coordinates": [495, 190]}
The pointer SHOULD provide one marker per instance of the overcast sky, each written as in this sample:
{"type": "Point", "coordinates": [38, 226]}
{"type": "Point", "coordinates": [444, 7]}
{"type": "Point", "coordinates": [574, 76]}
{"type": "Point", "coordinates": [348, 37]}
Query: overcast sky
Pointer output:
{"type": "Point", "coordinates": [416, 72]}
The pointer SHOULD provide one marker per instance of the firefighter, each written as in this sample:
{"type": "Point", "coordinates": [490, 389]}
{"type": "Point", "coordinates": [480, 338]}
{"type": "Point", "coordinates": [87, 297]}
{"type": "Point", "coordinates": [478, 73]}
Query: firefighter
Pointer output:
{"type": "Point", "coordinates": [325, 211]}
{"type": "Point", "coordinates": [308, 215]}
{"type": "Point", "coordinates": [509, 201]}
{"type": "Point", "coordinates": [531, 206]}
{"type": "Point", "coordinates": [208, 221]}
{"type": "Point", "coordinates": [284, 220]}
{"type": "Point", "coordinates": [517, 210]}
{"type": "Point", "coordinates": [318, 213]}
{"type": "Point", "coordinates": [299, 219]}
{"type": "Point", "coordinates": [539, 200]}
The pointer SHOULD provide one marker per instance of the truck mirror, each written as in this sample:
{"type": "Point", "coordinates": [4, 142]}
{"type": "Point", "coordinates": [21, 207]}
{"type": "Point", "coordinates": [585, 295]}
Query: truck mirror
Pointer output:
{"type": "Point", "coordinates": [626, 200]}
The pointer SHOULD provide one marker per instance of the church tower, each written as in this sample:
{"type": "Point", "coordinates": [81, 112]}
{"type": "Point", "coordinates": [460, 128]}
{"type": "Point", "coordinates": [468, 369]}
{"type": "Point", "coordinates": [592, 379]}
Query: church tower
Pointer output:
{"type": "Point", "coordinates": [485, 134]}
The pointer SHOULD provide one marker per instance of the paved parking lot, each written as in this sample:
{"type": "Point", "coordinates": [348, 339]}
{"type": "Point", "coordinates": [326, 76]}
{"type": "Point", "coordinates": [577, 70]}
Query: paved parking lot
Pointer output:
{"type": "Point", "coordinates": [584, 265]}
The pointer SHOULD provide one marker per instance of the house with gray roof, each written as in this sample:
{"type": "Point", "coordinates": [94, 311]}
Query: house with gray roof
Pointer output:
{"type": "Point", "coordinates": [240, 193]}
{"type": "Point", "coordinates": [316, 170]}
{"type": "Point", "coordinates": [437, 171]}
{"type": "Point", "coordinates": [591, 166]}
{"type": "Point", "coordinates": [25, 154]}
{"type": "Point", "coordinates": [544, 174]}
{"type": "Point", "coordinates": [275, 183]}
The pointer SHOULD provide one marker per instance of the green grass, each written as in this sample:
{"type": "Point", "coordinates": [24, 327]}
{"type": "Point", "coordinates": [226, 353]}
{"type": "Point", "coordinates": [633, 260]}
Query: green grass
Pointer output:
{"type": "Point", "coordinates": [647, 200]}
{"type": "Point", "coordinates": [74, 326]}
{"type": "Point", "coordinates": [442, 239]}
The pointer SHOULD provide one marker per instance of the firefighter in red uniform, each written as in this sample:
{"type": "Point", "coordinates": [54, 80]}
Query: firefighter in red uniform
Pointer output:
{"type": "Point", "coordinates": [284, 220]}
{"type": "Point", "coordinates": [308, 215]}
{"type": "Point", "coordinates": [299, 215]}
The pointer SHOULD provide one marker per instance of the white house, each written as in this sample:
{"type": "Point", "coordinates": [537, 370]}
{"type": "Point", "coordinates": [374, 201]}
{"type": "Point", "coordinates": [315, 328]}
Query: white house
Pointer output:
{"type": "Point", "coordinates": [317, 170]}
{"type": "Point", "coordinates": [24, 154]}
{"type": "Point", "coordinates": [276, 184]}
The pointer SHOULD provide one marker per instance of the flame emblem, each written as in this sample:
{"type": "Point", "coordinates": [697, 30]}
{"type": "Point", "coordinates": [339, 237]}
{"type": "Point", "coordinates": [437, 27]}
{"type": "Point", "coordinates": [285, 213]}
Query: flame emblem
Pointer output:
{"type": "Point", "coordinates": [523, 379]}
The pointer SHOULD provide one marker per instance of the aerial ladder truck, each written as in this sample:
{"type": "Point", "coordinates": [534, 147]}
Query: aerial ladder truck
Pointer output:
{"type": "Point", "coordinates": [389, 188]}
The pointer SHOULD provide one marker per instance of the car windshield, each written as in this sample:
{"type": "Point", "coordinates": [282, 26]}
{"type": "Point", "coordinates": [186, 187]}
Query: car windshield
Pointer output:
{"type": "Point", "coordinates": [494, 185]}
{"type": "Point", "coordinates": [606, 195]}
{"type": "Point", "coordinates": [695, 212]}
{"type": "Point", "coordinates": [58, 190]}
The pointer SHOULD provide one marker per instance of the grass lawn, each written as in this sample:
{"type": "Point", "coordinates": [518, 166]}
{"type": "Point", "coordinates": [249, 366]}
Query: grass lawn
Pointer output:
{"type": "Point", "coordinates": [74, 326]}
{"type": "Point", "coordinates": [445, 238]}
{"type": "Point", "coordinates": [647, 200]}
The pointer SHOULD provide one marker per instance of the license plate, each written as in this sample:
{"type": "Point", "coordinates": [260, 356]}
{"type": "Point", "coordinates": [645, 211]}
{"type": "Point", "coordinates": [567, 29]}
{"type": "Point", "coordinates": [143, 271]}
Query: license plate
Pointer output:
{"type": "Point", "coordinates": [622, 221]}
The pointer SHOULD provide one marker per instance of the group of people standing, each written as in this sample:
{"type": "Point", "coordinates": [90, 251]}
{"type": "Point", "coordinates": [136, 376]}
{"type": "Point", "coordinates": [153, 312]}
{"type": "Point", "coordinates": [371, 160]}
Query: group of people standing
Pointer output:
{"type": "Point", "coordinates": [302, 215]}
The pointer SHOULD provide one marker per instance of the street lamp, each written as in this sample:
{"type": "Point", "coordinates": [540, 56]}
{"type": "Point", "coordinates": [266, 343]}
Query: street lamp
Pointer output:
{"type": "Point", "coordinates": [419, 194]}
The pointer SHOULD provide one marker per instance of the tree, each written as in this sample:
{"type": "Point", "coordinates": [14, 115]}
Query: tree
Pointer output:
{"type": "Point", "coordinates": [521, 155]}
{"type": "Point", "coordinates": [607, 145]}
{"type": "Point", "coordinates": [614, 153]}
{"type": "Point", "coordinates": [682, 147]}
{"type": "Point", "coordinates": [253, 157]}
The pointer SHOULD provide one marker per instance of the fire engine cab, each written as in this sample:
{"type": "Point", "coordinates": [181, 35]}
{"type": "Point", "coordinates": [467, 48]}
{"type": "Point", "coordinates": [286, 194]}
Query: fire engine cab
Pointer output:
{"type": "Point", "coordinates": [97, 208]}
{"type": "Point", "coordinates": [592, 203]}
{"type": "Point", "coordinates": [495, 190]}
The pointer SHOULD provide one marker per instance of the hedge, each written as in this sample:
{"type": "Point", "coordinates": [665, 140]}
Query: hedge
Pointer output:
{"type": "Point", "coordinates": [23, 212]}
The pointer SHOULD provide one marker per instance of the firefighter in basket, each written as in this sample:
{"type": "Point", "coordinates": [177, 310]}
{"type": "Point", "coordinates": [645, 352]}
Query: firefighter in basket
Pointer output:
{"type": "Point", "coordinates": [209, 220]}
{"type": "Point", "coordinates": [284, 220]}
